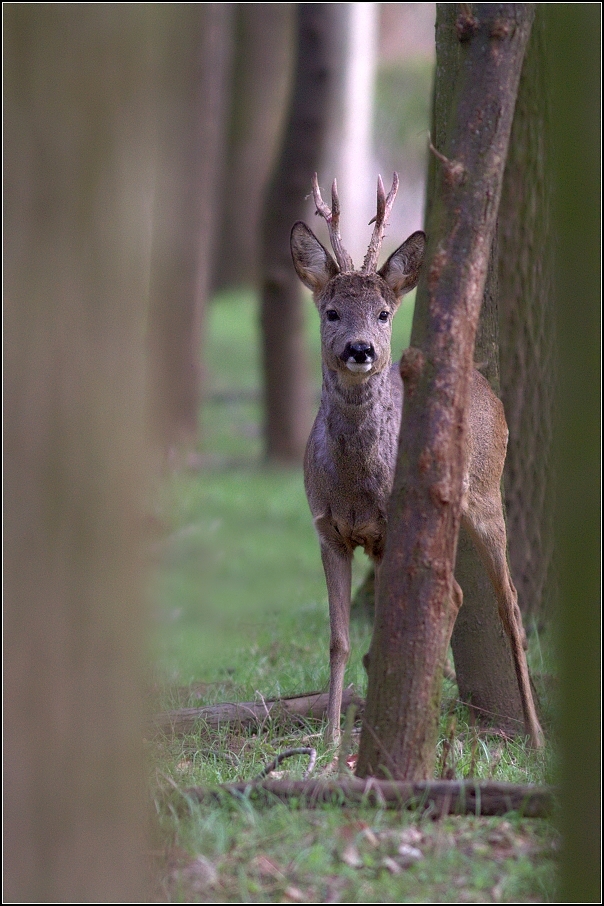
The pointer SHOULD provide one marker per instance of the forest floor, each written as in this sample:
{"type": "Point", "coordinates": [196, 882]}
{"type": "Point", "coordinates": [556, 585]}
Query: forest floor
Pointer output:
{"type": "Point", "coordinates": [241, 615]}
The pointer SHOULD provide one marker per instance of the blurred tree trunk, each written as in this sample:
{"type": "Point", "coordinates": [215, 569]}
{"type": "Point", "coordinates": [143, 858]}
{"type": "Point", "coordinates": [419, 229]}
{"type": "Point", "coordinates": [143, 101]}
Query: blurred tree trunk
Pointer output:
{"type": "Point", "coordinates": [363, 602]}
{"type": "Point", "coordinates": [288, 410]}
{"type": "Point", "coordinates": [78, 157]}
{"type": "Point", "coordinates": [192, 78]}
{"type": "Point", "coordinates": [415, 611]}
{"type": "Point", "coordinates": [526, 333]}
{"type": "Point", "coordinates": [262, 68]}
{"type": "Point", "coordinates": [348, 153]}
{"type": "Point", "coordinates": [575, 79]}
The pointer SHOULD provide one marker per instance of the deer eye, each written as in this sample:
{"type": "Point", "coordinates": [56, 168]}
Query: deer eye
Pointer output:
{"type": "Point", "coordinates": [383, 316]}
{"type": "Point", "coordinates": [332, 314]}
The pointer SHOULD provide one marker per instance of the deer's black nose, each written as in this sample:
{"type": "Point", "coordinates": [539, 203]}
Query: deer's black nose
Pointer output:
{"type": "Point", "coordinates": [360, 352]}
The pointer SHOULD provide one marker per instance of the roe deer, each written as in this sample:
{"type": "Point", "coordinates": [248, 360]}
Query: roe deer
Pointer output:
{"type": "Point", "coordinates": [351, 452]}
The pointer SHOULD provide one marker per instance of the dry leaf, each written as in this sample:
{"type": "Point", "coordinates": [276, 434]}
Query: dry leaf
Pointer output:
{"type": "Point", "coordinates": [351, 857]}
{"type": "Point", "coordinates": [393, 867]}
{"type": "Point", "coordinates": [371, 837]}
{"type": "Point", "coordinates": [411, 835]}
{"type": "Point", "coordinates": [497, 891]}
{"type": "Point", "coordinates": [349, 832]}
{"type": "Point", "coordinates": [197, 876]}
{"type": "Point", "coordinates": [408, 855]}
{"type": "Point", "coordinates": [266, 867]}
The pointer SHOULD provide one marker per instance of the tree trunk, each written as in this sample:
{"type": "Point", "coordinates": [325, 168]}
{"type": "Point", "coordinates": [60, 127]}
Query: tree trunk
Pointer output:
{"type": "Point", "coordinates": [261, 82]}
{"type": "Point", "coordinates": [288, 410]}
{"type": "Point", "coordinates": [191, 80]}
{"type": "Point", "coordinates": [574, 69]}
{"type": "Point", "coordinates": [415, 610]}
{"type": "Point", "coordinates": [348, 151]}
{"type": "Point", "coordinates": [526, 333]}
{"type": "Point", "coordinates": [484, 667]}
{"type": "Point", "coordinates": [78, 157]}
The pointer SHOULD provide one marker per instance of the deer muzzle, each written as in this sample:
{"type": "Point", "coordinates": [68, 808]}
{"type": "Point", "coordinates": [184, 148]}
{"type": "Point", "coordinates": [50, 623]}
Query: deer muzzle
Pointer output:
{"type": "Point", "coordinates": [359, 357]}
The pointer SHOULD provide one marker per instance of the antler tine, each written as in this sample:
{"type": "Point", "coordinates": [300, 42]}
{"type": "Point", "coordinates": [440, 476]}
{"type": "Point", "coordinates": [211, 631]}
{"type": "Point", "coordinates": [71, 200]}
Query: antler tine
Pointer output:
{"type": "Point", "coordinates": [322, 208]}
{"type": "Point", "coordinates": [335, 201]}
{"type": "Point", "coordinates": [384, 207]}
{"type": "Point", "coordinates": [332, 218]}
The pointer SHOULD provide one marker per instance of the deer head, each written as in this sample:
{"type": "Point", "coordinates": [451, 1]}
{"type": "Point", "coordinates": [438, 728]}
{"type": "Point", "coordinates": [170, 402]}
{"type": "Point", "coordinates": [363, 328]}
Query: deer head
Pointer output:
{"type": "Point", "coordinates": [356, 306]}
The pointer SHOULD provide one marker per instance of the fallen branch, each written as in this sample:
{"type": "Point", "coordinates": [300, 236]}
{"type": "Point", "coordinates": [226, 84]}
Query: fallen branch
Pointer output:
{"type": "Point", "coordinates": [437, 798]}
{"type": "Point", "coordinates": [296, 709]}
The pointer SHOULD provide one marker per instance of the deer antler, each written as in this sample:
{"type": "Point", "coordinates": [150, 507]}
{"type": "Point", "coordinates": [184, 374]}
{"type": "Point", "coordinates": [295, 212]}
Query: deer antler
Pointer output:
{"type": "Point", "coordinates": [332, 218]}
{"type": "Point", "coordinates": [384, 206]}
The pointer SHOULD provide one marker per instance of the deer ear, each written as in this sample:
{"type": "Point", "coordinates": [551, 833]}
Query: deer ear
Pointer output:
{"type": "Point", "coordinates": [314, 265]}
{"type": "Point", "coordinates": [401, 271]}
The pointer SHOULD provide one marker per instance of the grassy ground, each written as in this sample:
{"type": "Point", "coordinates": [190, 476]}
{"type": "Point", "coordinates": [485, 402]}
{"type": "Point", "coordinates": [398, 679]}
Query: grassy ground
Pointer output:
{"type": "Point", "coordinates": [241, 614]}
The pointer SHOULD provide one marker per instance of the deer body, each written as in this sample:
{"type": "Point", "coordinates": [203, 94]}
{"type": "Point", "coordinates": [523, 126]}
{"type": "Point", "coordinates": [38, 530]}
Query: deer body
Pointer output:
{"type": "Point", "coordinates": [352, 449]}
{"type": "Point", "coordinates": [350, 459]}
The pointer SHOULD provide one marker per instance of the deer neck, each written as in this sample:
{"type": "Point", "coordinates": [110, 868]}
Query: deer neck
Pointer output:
{"type": "Point", "coordinates": [357, 413]}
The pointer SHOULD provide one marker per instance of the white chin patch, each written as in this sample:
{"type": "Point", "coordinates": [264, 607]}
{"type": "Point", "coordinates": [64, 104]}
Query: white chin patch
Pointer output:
{"type": "Point", "coordinates": [357, 368]}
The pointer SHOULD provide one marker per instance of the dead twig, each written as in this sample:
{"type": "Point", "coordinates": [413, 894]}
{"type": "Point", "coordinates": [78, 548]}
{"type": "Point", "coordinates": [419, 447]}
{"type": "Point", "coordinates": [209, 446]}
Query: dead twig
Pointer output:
{"type": "Point", "coordinates": [289, 753]}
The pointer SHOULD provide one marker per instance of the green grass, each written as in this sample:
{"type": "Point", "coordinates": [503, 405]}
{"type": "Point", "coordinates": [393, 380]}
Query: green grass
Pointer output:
{"type": "Point", "coordinates": [241, 614]}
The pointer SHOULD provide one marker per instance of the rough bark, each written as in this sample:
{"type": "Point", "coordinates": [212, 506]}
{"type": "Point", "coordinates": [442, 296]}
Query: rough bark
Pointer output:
{"type": "Point", "coordinates": [415, 610]}
{"type": "Point", "coordinates": [288, 410]}
{"type": "Point", "coordinates": [574, 69]}
{"type": "Point", "coordinates": [298, 708]}
{"type": "Point", "coordinates": [78, 166]}
{"type": "Point", "coordinates": [191, 79]}
{"type": "Point", "coordinates": [263, 60]}
{"type": "Point", "coordinates": [526, 283]}
{"type": "Point", "coordinates": [484, 667]}
{"type": "Point", "coordinates": [438, 797]}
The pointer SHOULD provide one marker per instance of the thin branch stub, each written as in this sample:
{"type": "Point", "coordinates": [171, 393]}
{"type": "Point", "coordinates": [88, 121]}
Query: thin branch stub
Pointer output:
{"type": "Point", "coordinates": [454, 170]}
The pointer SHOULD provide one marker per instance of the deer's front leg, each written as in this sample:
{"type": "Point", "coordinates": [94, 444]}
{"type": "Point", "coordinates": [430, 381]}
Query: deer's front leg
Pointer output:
{"type": "Point", "coordinates": [337, 563]}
